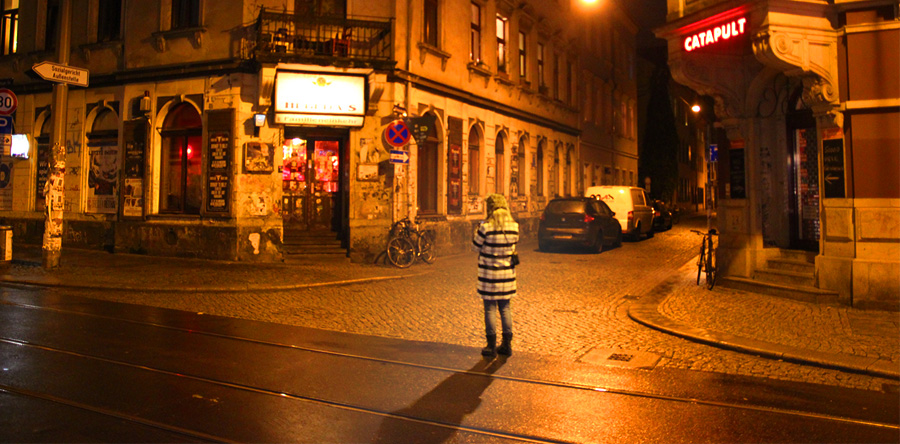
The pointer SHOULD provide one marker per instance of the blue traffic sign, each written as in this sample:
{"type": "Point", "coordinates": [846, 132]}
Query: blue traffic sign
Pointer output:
{"type": "Point", "coordinates": [397, 134]}
{"type": "Point", "coordinates": [398, 156]}
{"type": "Point", "coordinates": [713, 152]}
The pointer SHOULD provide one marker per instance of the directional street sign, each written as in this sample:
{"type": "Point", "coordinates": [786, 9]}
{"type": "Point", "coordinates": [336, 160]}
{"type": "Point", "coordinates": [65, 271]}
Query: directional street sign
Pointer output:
{"type": "Point", "coordinates": [55, 72]}
{"type": "Point", "coordinates": [8, 102]}
{"type": "Point", "coordinates": [398, 156]}
{"type": "Point", "coordinates": [397, 134]}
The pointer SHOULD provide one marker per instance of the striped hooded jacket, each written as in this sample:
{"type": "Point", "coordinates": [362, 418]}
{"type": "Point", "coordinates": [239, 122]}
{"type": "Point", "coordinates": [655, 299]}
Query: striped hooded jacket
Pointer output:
{"type": "Point", "coordinates": [496, 240]}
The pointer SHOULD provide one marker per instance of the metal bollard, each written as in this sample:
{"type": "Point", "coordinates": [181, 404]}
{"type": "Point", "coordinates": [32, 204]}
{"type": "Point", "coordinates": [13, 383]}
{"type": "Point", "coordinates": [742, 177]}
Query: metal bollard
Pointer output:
{"type": "Point", "coordinates": [6, 234]}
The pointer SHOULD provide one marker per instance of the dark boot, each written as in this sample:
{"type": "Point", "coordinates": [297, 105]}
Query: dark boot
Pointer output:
{"type": "Point", "coordinates": [506, 346]}
{"type": "Point", "coordinates": [491, 349]}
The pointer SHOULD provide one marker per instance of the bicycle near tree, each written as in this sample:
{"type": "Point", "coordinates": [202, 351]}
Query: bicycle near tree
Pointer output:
{"type": "Point", "coordinates": [707, 262]}
{"type": "Point", "coordinates": [408, 242]}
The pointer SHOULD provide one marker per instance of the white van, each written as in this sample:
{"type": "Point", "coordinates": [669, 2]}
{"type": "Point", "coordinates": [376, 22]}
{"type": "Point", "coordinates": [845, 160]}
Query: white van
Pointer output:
{"type": "Point", "coordinates": [631, 205]}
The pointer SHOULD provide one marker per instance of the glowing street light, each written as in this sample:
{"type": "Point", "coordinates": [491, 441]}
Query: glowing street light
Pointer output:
{"type": "Point", "coordinates": [695, 108]}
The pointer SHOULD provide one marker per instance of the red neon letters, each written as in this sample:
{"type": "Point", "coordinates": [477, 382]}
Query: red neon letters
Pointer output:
{"type": "Point", "coordinates": [713, 35]}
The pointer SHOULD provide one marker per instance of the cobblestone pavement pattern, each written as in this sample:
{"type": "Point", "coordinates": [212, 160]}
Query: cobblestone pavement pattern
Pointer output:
{"type": "Point", "coordinates": [569, 303]}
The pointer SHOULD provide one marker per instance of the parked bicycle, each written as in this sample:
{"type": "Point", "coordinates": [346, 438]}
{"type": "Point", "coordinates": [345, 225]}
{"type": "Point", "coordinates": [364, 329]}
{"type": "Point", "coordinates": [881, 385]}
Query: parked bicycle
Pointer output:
{"type": "Point", "coordinates": [408, 242]}
{"type": "Point", "coordinates": [707, 262]}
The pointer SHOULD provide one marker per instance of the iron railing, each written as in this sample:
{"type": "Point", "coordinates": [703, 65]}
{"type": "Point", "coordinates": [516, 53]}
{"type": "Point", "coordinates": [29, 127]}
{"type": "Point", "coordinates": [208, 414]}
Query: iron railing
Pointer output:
{"type": "Point", "coordinates": [285, 37]}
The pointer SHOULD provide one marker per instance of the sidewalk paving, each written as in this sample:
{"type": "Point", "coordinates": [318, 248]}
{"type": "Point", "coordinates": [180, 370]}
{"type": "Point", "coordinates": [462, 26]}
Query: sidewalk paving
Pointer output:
{"type": "Point", "coordinates": [837, 337]}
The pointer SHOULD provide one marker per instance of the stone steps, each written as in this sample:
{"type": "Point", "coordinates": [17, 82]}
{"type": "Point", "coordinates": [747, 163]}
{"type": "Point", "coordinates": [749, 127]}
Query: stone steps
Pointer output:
{"type": "Point", "coordinates": [791, 274]}
{"type": "Point", "coordinates": [301, 245]}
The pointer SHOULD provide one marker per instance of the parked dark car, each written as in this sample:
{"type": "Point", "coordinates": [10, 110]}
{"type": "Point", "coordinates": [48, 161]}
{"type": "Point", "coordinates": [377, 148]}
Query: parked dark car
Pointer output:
{"type": "Point", "coordinates": [582, 221]}
{"type": "Point", "coordinates": [662, 216]}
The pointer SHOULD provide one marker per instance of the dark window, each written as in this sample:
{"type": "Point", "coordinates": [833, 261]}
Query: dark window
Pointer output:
{"type": "Point", "coordinates": [185, 14]}
{"type": "Point", "coordinates": [109, 20]}
{"type": "Point", "coordinates": [520, 173]}
{"type": "Point", "coordinates": [540, 170]}
{"type": "Point", "coordinates": [9, 27]}
{"type": "Point", "coordinates": [180, 172]}
{"type": "Point", "coordinates": [540, 63]}
{"type": "Point", "coordinates": [475, 34]}
{"type": "Point", "coordinates": [334, 8]}
{"type": "Point", "coordinates": [428, 173]}
{"type": "Point", "coordinates": [499, 164]}
{"type": "Point", "coordinates": [431, 23]}
{"type": "Point", "coordinates": [51, 34]}
{"type": "Point", "coordinates": [474, 159]}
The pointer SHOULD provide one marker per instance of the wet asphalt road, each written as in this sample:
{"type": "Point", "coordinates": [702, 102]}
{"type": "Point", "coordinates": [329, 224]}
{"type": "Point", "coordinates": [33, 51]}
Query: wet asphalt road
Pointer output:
{"type": "Point", "coordinates": [84, 370]}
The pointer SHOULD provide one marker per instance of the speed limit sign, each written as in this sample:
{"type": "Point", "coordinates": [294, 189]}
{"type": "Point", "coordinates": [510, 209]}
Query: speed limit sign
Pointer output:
{"type": "Point", "coordinates": [8, 102]}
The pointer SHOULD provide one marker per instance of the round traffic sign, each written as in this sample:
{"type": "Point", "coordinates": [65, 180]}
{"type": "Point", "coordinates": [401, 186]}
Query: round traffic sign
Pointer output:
{"type": "Point", "coordinates": [397, 134]}
{"type": "Point", "coordinates": [8, 102]}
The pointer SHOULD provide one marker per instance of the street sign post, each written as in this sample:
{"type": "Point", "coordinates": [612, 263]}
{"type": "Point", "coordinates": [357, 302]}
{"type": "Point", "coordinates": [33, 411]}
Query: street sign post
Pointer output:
{"type": "Point", "coordinates": [56, 72]}
{"type": "Point", "coordinates": [8, 102]}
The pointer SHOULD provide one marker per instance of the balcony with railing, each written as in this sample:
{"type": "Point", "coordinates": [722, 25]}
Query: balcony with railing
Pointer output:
{"type": "Point", "coordinates": [284, 37]}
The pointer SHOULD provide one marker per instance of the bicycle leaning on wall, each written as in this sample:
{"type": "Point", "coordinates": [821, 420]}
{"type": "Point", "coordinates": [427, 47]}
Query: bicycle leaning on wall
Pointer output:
{"type": "Point", "coordinates": [707, 262]}
{"type": "Point", "coordinates": [408, 242]}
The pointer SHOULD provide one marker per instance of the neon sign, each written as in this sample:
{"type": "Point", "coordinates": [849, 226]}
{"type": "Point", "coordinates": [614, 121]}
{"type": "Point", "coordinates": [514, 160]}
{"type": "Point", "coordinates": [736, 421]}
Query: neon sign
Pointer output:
{"type": "Point", "coordinates": [715, 34]}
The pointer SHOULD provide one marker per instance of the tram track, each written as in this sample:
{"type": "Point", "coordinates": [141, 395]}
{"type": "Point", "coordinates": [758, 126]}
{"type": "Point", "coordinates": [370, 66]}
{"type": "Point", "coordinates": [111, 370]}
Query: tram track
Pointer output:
{"type": "Point", "coordinates": [420, 366]}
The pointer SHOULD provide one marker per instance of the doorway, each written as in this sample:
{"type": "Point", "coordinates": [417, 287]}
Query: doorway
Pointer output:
{"type": "Point", "coordinates": [803, 171]}
{"type": "Point", "coordinates": [312, 184]}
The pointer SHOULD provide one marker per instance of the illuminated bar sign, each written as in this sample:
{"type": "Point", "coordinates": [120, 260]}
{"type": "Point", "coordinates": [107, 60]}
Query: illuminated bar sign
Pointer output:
{"type": "Point", "coordinates": [319, 99]}
{"type": "Point", "coordinates": [715, 34]}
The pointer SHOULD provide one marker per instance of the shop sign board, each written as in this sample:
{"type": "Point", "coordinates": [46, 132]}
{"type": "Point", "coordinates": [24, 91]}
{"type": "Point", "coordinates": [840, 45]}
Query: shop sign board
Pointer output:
{"type": "Point", "coordinates": [833, 164]}
{"type": "Point", "coordinates": [715, 34]}
{"type": "Point", "coordinates": [309, 98]}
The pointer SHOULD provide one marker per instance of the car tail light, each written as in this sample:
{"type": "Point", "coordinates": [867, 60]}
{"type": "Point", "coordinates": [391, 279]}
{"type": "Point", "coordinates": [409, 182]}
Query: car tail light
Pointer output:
{"type": "Point", "coordinates": [588, 218]}
{"type": "Point", "coordinates": [631, 215]}
{"type": "Point", "coordinates": [543, 216]}
{"type": "Point", "coordinates": [656, 214]}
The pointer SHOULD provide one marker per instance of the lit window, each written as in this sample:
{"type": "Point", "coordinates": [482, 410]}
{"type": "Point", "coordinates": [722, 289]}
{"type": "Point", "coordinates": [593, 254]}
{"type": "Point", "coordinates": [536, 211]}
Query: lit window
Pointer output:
{"type": "Point", "coordinates": [9, 27]}
{"type": "Point", "coordinates": [502, 36]}
{"type": "Point", "coordinates": [523, 67]}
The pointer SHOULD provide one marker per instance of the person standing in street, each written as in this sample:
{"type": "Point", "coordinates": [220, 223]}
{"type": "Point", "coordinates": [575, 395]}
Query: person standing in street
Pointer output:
{"type": "Point", "coordinates": [496, 239]}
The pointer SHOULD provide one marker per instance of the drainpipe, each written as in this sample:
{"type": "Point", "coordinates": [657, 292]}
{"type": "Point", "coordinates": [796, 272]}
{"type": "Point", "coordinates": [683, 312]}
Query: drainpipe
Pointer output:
{"type": "Point", "coordinates": [409, 191]}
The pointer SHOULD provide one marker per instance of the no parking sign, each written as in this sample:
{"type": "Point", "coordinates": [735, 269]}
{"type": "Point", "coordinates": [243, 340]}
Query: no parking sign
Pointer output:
{"type": "Point", "coordinates": [397, 134]}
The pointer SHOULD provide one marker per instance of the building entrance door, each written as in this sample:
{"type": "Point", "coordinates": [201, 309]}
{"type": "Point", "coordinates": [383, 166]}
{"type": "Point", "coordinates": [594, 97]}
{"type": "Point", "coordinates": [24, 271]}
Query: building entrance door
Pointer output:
{"type": "Point", "coordinates": [311, 184]}
{"type": "Point", "coordinates": [804, 178]}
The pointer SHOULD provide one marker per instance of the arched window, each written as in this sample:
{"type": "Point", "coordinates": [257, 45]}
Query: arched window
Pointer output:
{"type": "Point", "coordinates": [427, 175]}
{"type": "Point", "coordinates": [103, 175]}
{"type": "Point", "coordinates": [554, 173]}
{"type": "Point", "coordinates": [474, 158]}
{"type": "Point", "coordinates": [521, 185]}
{"type": "Point", "coordinates": [567, 178]}
{"type": "Point", "coordinates": [540, 169]}
{"type": "Point", "coordinates": [500, 164]}
{"type": "Point", "coordinates": [43, 163]}
{"type": "Point", "coordinates": [181, 165]}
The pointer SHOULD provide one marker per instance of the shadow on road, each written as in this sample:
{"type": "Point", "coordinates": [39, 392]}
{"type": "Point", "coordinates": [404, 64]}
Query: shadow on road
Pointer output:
{"type": "Point", "coordinates": [448, 403]}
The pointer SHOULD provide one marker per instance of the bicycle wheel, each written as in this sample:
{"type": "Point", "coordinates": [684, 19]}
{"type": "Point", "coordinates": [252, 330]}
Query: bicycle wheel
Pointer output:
{"type": "Point", "coordinates": [710, 266]}
{"type": "Point", "coordinates": [426, 246]}
{"type": "Point", "coordinates": [702, 261]}
{"type": "Point", "coordinates": [401, 252]}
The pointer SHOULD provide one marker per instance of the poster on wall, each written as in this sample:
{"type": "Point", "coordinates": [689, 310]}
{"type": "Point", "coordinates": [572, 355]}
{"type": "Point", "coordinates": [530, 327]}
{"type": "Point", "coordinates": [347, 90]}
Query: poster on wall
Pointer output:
{"type": "Point", "coordinates": [218, 154]}
{"type": "Point", "coordinates": [43, 174]}
{"type": "Point", "coordinates": [833, 163]}
{"type": "Point", "coordinates": [454, 173]}
{"type": "Point", "coordinates": [133, 168]}
{"type": "Point", "coordinates": [103, 179]}
{"type": "Point", "coordinates": [259, 158]}
{"type": "Point", "coordinates": [6, 186]}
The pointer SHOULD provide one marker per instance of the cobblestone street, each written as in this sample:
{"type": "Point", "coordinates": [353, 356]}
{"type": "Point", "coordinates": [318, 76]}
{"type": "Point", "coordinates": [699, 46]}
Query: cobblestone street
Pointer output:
{"type": "Point", "coordinates": [569, 303]}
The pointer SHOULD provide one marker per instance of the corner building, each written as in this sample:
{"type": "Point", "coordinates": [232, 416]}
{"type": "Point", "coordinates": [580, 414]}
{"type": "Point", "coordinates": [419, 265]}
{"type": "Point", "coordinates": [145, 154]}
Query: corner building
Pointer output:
{"type": "Point", "coordinates": [808, 107]}
{"type": "Point", "coordinates": [268, 130]}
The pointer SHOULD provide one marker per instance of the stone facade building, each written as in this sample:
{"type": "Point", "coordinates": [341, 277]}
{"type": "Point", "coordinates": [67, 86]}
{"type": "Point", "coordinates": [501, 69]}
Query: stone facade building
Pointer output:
{"type": "Point", "coordinates": [268, 129]}
{"type": "Point", "coordinates": [807, 96]}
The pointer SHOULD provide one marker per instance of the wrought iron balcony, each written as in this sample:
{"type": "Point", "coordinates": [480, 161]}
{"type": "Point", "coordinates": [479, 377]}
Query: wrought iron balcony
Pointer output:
{"type": "Point", "coordinates": [337, 41]}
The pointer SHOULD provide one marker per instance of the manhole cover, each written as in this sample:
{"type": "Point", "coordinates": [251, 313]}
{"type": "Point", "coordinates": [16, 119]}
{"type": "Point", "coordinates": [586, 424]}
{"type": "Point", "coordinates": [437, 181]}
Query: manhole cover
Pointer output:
{"type": "Point", "coordinates": [620, 358]}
